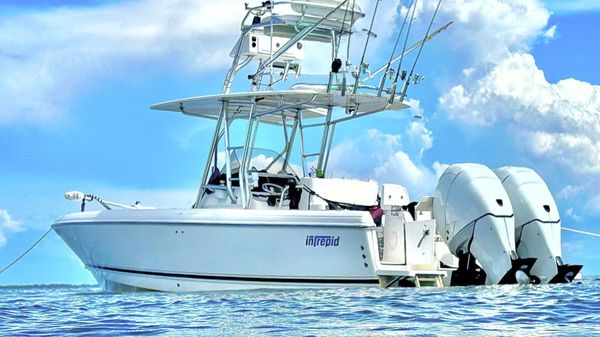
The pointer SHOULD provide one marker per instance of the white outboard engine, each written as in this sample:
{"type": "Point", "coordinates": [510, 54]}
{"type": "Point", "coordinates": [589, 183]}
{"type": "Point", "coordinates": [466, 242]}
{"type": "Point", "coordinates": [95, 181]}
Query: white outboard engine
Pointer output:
{"type": "Point", "coordinates": [475, 218]}
{"type": "Point", "coordinates": [537, 224]}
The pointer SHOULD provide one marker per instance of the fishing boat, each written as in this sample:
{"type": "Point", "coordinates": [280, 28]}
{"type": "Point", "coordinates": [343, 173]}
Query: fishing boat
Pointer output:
{"type": "Point", "coordinates": [274, 218]}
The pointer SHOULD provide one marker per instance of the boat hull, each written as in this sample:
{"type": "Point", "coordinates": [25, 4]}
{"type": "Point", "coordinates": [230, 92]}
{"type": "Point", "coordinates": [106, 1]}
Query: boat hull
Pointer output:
{"type": "Point", "coordinates": [196, 250]}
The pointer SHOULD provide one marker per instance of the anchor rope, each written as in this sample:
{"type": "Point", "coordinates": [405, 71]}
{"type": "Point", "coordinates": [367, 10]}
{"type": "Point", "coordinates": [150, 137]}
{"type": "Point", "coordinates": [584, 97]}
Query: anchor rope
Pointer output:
{"type": "Point", "coordinates": [26, 252]}
{"type": "Point", "coordinates": [580, 232]}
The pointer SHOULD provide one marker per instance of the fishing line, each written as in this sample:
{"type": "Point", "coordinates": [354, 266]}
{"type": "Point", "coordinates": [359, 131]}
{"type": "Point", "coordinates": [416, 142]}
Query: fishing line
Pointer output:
{"type": "Point", "coordinates": [26, 252]}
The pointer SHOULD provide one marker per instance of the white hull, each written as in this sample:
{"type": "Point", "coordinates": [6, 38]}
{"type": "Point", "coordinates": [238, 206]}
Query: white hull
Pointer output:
{"type": "Point", "coordinates": [204, 249]}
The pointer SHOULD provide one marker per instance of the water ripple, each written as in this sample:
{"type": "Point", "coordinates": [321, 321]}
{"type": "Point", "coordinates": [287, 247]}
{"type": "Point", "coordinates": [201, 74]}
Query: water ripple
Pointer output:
{"type": "Point", "coordinates": [552, 310]}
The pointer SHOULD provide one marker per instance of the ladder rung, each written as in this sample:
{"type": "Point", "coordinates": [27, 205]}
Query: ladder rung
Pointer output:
{"type": "Point", "coordinates": [234, 148]}
{"type": "Point", "coordinates": [312, 125]}
{"type": "Point", "coordinates": [434, 281]}
{"type": "Point", "coordinates": [312, 154]}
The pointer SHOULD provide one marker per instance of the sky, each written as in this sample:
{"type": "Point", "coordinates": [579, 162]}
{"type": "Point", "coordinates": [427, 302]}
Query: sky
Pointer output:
{"type": "Point", "coordinates": [509, 83]}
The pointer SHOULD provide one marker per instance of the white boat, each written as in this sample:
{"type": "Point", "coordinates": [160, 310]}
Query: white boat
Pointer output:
{"type": "Point", "coordinates": [256, 223]}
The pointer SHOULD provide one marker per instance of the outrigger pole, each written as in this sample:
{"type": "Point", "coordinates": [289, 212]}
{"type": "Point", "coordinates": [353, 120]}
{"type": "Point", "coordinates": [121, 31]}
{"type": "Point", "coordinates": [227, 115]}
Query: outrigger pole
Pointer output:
{"type": "Point", "coordinates": [408, 51]}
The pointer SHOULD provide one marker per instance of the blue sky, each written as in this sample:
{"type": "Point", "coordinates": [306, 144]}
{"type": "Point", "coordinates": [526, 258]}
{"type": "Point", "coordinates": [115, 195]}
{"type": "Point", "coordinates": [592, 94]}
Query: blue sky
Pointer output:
{"type": "Point", "coordinates": [510, 83]}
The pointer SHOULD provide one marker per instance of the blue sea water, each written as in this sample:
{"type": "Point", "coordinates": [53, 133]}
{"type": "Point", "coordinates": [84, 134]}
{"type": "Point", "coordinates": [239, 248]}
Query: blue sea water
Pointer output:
{"type": "Point", "coordinates": [557, 310]}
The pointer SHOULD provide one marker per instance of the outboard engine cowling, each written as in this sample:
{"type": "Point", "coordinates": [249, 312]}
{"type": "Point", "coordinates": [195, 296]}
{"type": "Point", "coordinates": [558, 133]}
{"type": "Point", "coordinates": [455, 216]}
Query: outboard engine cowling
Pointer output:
{"type": "Point", "coordinates": [537, 224]}
{"type": "Point", "coordinates": [475, 218]}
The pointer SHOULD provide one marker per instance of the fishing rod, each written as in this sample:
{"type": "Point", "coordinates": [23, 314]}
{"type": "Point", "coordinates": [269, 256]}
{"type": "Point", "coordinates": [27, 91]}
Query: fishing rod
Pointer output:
{"type": "Point", "coordinates": [407, 82]}
{"type": "Point", "coordinates": [408, 51]}
{"type": "Point", "coordinates": [389, 63]}
{"type": "Point", "coordinates": [362, 59]}
{"type": "Point", "coordinates": [343, 87]}
{"type": "Point", "coordinates": [398, 70]}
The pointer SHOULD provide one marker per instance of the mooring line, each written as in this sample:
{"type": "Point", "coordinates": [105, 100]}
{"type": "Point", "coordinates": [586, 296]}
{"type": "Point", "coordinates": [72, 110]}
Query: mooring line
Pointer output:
{"type": "Point", "coordinates": [580, 231]}
{"type": "Point", "coordinates": [26, 252]}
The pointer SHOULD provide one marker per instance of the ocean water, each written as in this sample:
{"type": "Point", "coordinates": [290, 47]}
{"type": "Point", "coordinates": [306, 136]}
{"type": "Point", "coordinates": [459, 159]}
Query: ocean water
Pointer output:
{"type": "Point", "coordinates": [557, 310]}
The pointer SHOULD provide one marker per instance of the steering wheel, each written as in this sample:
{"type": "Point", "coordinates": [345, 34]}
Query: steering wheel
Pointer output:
{"type": "Point", "coordinates": [272, 188]}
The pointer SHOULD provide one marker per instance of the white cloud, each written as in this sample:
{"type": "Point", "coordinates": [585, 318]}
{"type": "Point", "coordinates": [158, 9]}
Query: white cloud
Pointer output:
{"type": "Point", "coordinates": [8, 225]}
{"type": "Point", "coordinates": [573, 215]}
{"type": "Point", "coordinates": [383, 157]}
{"type": "Point", "coordinates": [569, 192]}
{"type": "Point", "coordinates": [415, 107]}
{"type": "Point", "coordinates": [439, 169]}
{"type": "Point", "coordinates": [49, 57]}
{"type": "Point", "coordinates": [399, 168]}
{"type": "Point", "coordinates": [550, 34]}
{"type": "Point", "coordinates": [559, 122]}
{"type": "Point", "coordinates": [485, 30]}
{"type": "Point", "coordinates": [420, 137]}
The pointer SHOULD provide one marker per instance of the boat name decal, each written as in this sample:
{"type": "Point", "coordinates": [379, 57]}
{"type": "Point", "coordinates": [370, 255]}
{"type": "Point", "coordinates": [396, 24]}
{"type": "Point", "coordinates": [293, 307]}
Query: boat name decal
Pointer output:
{"type": "Point", "coordinates": [322, 241]}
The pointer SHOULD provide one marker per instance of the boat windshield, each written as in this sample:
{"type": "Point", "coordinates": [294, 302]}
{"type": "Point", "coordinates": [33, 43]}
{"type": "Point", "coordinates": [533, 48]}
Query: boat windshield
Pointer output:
{"type": "Point", "coordinates": [261, 160]}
